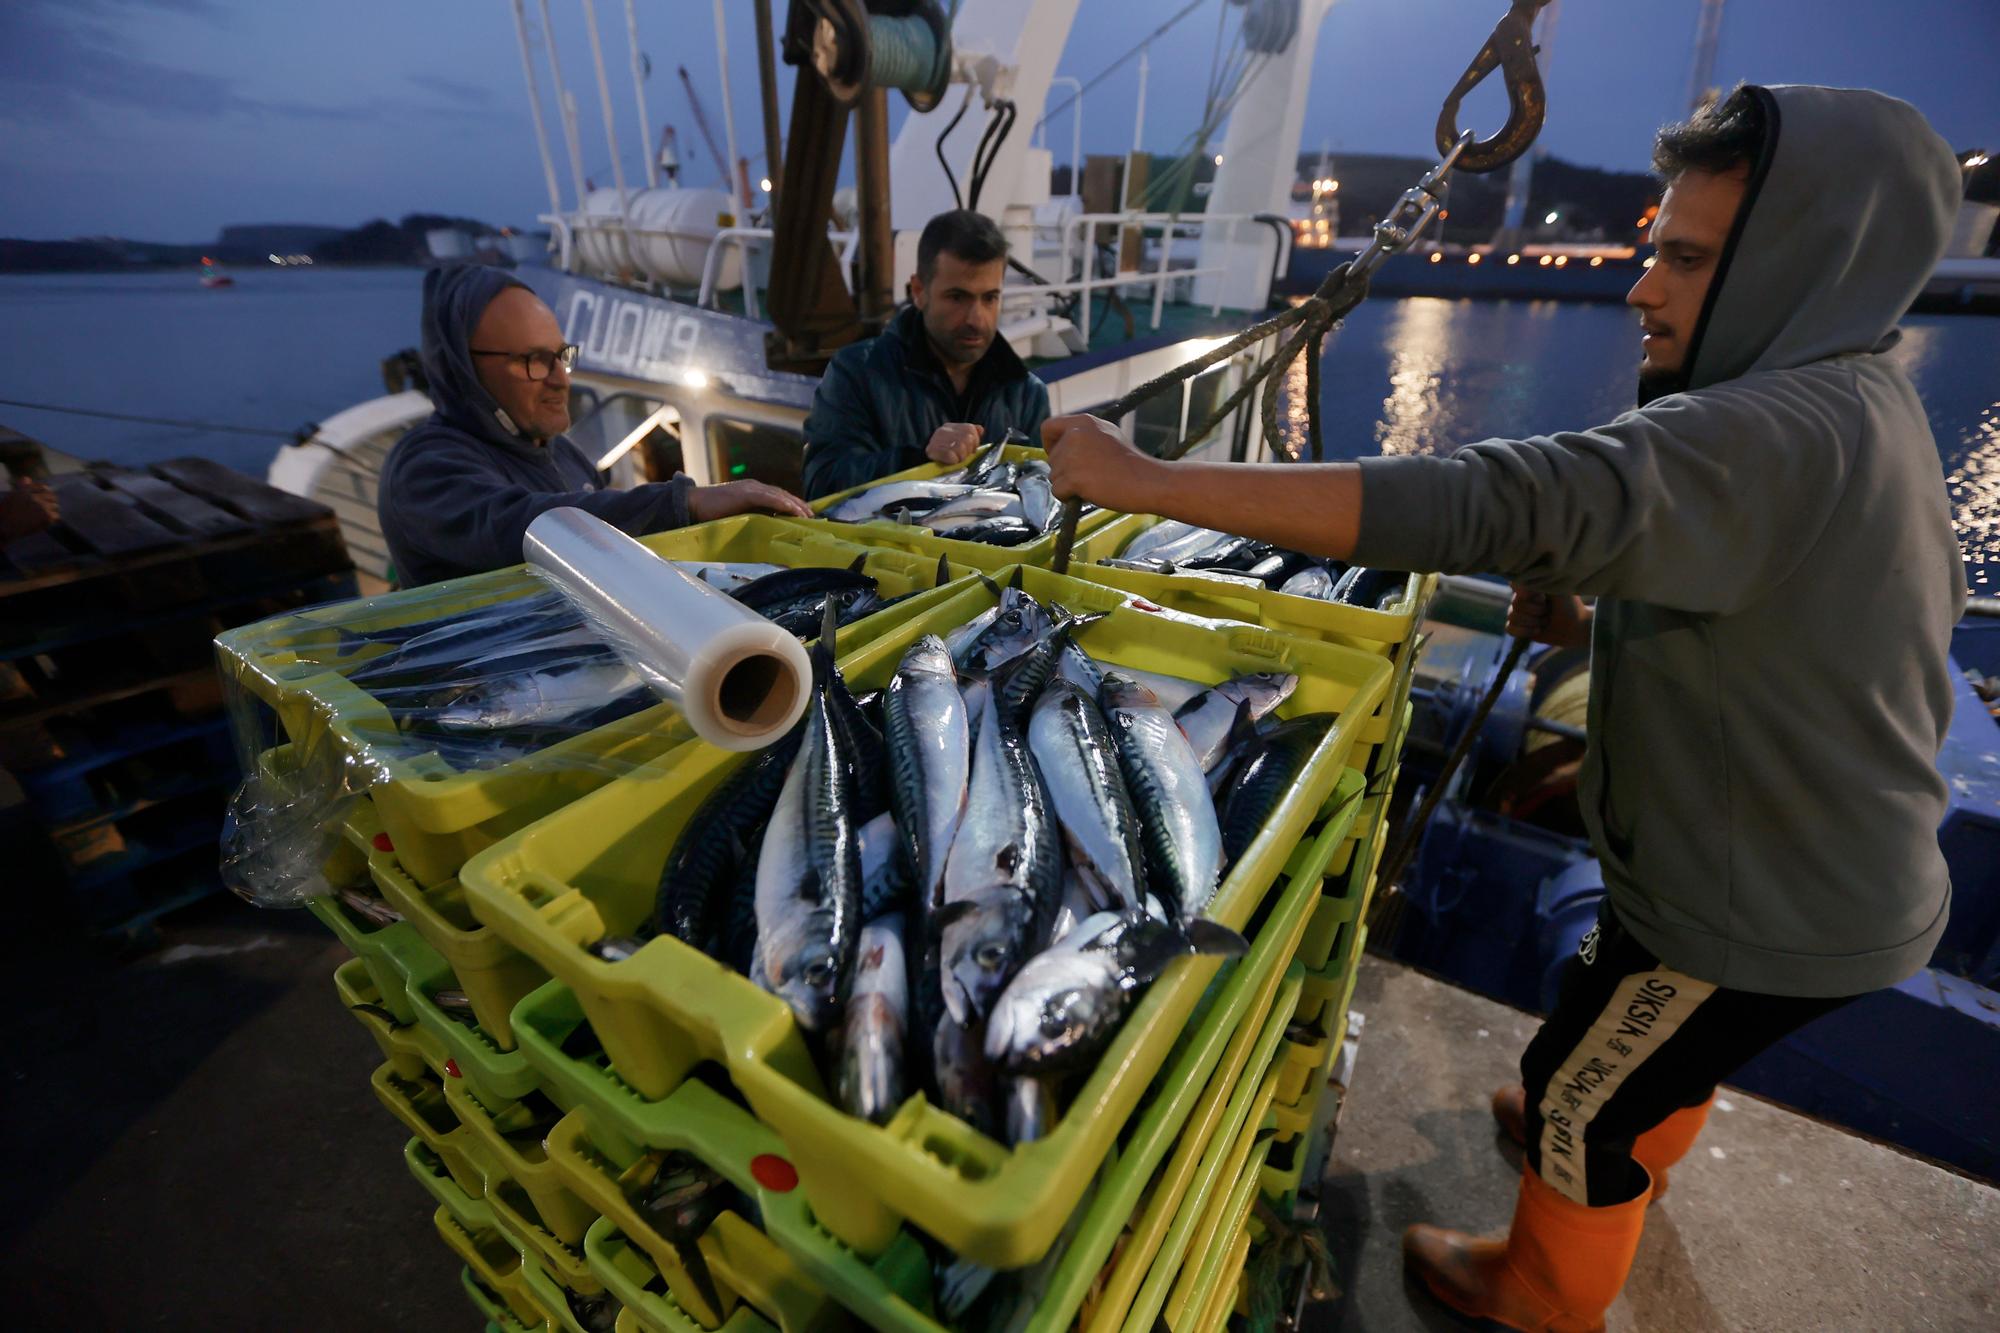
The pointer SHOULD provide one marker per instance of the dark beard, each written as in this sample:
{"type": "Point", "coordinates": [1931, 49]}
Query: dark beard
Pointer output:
{"type": "Point", "coordinates": [1659, 383]}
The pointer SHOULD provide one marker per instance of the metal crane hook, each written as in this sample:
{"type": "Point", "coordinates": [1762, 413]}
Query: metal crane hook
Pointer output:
{"type": "Point", "coordinates": [1511, 48]}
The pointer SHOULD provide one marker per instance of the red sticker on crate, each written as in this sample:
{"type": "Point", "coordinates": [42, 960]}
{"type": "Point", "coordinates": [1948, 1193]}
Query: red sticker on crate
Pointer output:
{"type": "Point", "coordinates": [774, 1173]}
{"type": "Point", "coordinates": [451, 1067]}
{"type": "Point", "coordinates": [382, 843]}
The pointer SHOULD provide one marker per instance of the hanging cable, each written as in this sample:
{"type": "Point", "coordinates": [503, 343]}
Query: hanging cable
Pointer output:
{"type": "Point", "coordinates": [1119, 63]}
{"type": "Point", "coordinates": [299, 436]}
{"type": "Point", "coordinates": [988, 152]}
{"type": "Point", "coordinates": [958, 200]}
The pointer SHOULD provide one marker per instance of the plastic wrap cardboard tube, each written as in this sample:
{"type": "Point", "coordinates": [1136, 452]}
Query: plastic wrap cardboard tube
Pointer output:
{"type": "Point", "coordinates": [740, 680]}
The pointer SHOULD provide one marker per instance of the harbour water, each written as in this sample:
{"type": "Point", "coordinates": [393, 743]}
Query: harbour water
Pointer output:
{"type": "Point", "coordinates": [285, 347]}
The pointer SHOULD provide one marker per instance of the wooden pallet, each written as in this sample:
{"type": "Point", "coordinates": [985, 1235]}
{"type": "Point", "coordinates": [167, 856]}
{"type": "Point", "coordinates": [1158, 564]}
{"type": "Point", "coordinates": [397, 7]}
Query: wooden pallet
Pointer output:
{"type": "Point", "coordinates": [107, 622]}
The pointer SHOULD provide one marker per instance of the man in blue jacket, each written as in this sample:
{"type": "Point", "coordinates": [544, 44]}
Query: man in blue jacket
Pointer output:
{"type": "Point", "coordinates": [458, 491]}
{"type": "Point", "coordinates": [938, 381]}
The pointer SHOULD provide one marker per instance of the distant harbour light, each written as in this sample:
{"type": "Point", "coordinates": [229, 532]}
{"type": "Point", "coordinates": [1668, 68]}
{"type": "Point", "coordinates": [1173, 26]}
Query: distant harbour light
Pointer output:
{"type": "Point", "coordinates": [1597, 261]}
{"type": "Point", "coordinates": [1561, 260]}
{"type": "Point", "coordinates": [1547, 260]}
{"type": "Point", "coordinates": [1513, 259]}
{"type": "Point", "coordinates": [1472, 258]}
{"type": "Point", "coordinates": [1437, 256]}
{"type": "Point", "coordinates": [1550, 220]}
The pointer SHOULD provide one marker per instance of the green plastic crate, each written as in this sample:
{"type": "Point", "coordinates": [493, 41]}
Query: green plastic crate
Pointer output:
{"type": "Point", "coordinates": [592, 870]}
{"type": "Point", "coordinates": [431, 1173]}
{"type": "Point", "coordinates": [742, 1259]}
{"type": "Point", "coordinates": [915, 538]}
{"type": "Point", "coordinates": [438, 816]}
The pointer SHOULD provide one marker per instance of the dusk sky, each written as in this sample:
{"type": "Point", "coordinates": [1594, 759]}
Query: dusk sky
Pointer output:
{"type": "Point", "coordinates": [165, 119]}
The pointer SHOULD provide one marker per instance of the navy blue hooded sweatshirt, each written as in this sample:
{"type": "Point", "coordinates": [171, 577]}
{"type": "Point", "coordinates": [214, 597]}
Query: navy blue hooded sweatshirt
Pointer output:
{"type": "Point", "coordinates": [458, 491]}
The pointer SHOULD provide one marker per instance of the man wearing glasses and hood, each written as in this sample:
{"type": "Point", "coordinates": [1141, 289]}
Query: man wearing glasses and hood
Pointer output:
{"type": "Point", "coordinates": [458, 491]}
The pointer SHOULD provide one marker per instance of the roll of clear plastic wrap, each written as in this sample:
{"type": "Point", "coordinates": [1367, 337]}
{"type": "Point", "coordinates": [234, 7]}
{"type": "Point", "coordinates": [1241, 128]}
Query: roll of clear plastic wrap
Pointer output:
{"type": "Point", "coordinates": [740, 680]}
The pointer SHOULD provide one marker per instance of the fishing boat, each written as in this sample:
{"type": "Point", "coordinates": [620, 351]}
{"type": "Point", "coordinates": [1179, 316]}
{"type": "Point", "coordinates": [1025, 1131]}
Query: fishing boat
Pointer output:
{"type": "Point", "coordinates": [667, 287]}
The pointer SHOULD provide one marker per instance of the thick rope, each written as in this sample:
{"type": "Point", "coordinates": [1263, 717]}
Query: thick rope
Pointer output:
{"type": "Point", "coordinates": [1309, 320]}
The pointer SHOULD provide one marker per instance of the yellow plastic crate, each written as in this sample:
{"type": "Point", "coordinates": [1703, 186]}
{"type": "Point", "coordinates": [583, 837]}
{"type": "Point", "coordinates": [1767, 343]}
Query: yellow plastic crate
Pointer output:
{"type": "Point", "coordinates": [1177, 1212]}
{"type": "Point", "coordinates": [1382, 632]}
{"type": "Point", "coordinates": [1226, 1294]}
{"type": "Point", "coordinates": [420, 1104]}
{"type": "Point", "coordinates": [592, 870]}
{"type": "Point", "coordinates": [493, 974]}
{"type": "Point", "coordinates": [1299, 1061]}
{"type": "Point", "coordinates": [1039, 553]}
{"type": "Point", "coordinates": [1240, 1071]}
{"type": "Point", "coordinates": [488, 1256]}
{"type": "Point", "coordinates": [630, 1276]}
{"type": "Point", "coordinates": [1204, 1282]}
{"type": "Point", "coordinates": [437, 816]}
{"type": "Point", "coordinates": [410, 1051]}
{"type": "Point", "coordinates": [552, 1295]}
{"type": "Point", "coordinates": [530, 1198]}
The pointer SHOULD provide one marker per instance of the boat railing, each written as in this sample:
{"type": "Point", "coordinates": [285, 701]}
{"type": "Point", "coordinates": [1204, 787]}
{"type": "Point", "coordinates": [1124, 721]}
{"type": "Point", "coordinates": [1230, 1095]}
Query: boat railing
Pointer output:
{"type": "Point", "coordinates": [743, 238]}
{"type": "Point", "coordinates": [1079, 235]}
{"type": "Point", "coordinates": [566, 228]}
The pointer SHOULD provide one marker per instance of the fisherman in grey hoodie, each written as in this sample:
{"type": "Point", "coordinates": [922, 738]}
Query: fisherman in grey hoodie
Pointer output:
{"type": "Point", "coordinates": [1770, 545]}
{"type": "Point", "coordinates": [458, 491]}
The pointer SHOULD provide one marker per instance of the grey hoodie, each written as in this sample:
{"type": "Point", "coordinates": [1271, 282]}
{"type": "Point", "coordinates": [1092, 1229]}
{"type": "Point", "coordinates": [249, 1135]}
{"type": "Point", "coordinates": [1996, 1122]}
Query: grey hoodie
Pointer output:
{"type": "Point", "coordinates": [458, 492]}
{"type": "Point", "coordinates": [1777, 577]}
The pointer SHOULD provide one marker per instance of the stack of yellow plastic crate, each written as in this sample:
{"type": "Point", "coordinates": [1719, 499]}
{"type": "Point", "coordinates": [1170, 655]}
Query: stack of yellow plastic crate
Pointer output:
{"type": "Point", "coordinates": [539, 1108]}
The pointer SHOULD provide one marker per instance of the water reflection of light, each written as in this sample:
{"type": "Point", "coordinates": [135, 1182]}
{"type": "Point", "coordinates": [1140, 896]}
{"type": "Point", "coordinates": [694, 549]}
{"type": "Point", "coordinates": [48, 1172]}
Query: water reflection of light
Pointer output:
{"type": "Point", "coordinates": [1419, 339]}
{"type": "Point", "coordinates": [1974, 481]}
{"type": "Point", "coordinates": [1974, 486]}
{"type": "Point", "coordinates": [1294, 426]}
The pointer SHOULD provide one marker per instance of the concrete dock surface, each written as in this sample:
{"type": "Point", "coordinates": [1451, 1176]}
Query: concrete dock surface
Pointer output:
{"type": "Point", "coordinates": [193, 1144]}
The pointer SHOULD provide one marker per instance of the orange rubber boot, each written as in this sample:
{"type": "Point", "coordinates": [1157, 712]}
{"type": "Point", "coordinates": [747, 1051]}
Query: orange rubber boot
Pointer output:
{"type": "Point", "coordinates": [1667, 1142]}
{"type": "Point", "coordinates": [1656, 1150]}
{"type": "Point", "coordinates": [1557, 1270]}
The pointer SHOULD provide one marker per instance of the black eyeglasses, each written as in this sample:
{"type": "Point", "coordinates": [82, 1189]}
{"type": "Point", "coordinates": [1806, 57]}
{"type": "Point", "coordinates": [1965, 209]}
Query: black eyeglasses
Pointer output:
{"type": "Point", "coordinates": [539, 365]}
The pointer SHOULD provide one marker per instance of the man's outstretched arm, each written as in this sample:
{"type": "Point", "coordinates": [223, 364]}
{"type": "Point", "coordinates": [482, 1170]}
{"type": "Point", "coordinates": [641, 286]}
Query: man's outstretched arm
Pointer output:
{"type": "Point", "coordinates": [1310, 507]}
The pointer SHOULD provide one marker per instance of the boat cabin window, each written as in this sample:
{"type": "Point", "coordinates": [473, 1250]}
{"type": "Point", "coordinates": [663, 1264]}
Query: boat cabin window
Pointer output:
{"type": "Point", "coordinates": [1156, 423]}
{"type": "Point", "coordinates": [607, 426]}
{"type": "Point", "coordinates": [757, 450]}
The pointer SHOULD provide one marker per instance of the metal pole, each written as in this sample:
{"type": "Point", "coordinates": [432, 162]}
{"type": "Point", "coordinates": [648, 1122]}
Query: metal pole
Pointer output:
{"type": "Point", "coordinates": [767, 80]}
{"type": "Point", "coordinates": [1139, 120]}
{"type": "Point", "coordinates": [1076, 137]}
{"type": "Point", "coordinates": [604, 99]}
{"type": "Point", "coordinates": [639, 94]}
{"type": "Point", "coordinates": [871, 181]}
{"type": "Point", "coordinates": [564, 106]}
{"type": "Point", "coordinates": [728, 111]}
{"type": "Point", "coordinates": [535, 106]}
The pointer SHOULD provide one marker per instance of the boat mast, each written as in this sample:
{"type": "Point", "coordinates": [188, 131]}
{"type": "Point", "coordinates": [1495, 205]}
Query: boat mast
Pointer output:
{"type": "Point", "coordinates": [535, 107]}
{"type": "Point", "coordinates": [564, 106]}
{"type": "Point", "coordinates": [639, 91]}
